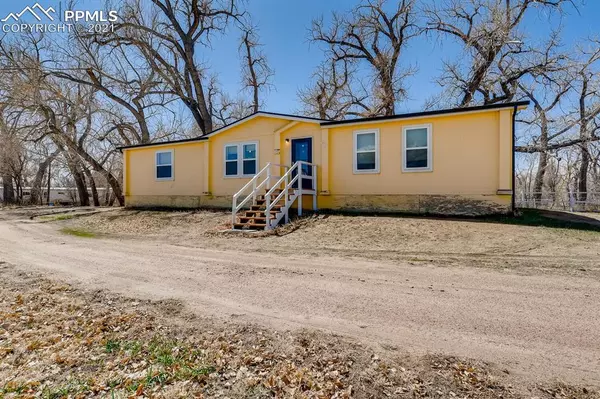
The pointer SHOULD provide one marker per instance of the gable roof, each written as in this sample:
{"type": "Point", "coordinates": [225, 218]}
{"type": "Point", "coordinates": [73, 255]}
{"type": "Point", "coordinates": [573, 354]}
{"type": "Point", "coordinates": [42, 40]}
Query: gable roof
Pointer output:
{"type": "Point", "coordinates": [229, 126]}
{"type": "Point", "coordinates": [268, 115]}
{"type": "Point", "coordinates": [331, 123]}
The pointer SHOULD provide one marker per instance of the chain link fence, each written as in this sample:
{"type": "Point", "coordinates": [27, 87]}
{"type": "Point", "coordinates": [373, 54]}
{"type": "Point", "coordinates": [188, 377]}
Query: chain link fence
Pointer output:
{"type": "Point", "coordinates": [567, 201]}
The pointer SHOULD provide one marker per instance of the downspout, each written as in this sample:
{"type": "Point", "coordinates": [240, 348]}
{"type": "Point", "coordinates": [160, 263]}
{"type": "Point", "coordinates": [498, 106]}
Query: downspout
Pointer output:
{"type": "Point", "coordinates": [514, 168]}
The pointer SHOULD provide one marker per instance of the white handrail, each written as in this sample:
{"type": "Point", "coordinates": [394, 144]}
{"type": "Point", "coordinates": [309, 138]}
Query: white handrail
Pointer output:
{"type": "Point", "coordinates": [287, 181]}
{"type": "Point", "coordinates": [235, 207]}
{"type": "Point", "coordinates": [255, 178]}
{"type": "Point", "coordinates": [289, 184]}
{"type": "Point", "coordinates": [256, 187]}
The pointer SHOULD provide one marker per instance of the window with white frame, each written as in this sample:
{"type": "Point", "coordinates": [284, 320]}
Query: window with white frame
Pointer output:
{"type": "Point", "coordinates": [241, 159]}
{"type": "Point", "coordinates": [366, 151]}
{"type": "Point", "coordinates": [416, 142]}
{"type": "Point", "coordinates": [164, 165]}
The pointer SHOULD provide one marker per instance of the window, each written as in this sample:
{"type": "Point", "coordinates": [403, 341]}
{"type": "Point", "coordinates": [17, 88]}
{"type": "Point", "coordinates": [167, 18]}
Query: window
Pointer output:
{"type": "Point", "coordinates": [231, 160]}
{"type": "Point", "coordinates": [417, 148]}
{"type": "Point", "coordinates": [164, 165]}
{"type": "Point", "coordinates": [366, 151]}
{"type": "Point", "coordinates": [241, 159]}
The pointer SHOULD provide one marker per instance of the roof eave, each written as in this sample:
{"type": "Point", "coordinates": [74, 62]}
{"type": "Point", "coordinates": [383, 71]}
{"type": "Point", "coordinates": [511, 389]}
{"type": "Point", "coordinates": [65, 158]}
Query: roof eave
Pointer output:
{"type": "Point", "coordinates": [174, 142]}
{"type": "Point", "coordinates": [428, 114]}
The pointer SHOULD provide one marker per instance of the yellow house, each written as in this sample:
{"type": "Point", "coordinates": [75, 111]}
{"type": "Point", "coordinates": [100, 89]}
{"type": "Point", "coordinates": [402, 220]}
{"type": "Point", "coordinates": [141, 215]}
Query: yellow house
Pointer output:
{"type": "Point", "coordinates": [453, 161]}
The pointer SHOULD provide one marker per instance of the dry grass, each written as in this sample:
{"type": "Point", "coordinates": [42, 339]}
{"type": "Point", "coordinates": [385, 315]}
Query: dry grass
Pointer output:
{"type": "Point", "coordinates": [522, 248]}
{"type": "Point", "coordinates": [60, 342]}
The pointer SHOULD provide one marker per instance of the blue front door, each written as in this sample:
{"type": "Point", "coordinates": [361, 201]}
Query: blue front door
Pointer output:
{"type": "Point", "coordinates": [302, 151]}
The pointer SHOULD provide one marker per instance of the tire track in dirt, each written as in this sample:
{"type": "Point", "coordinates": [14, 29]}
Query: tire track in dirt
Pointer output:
{"type": "Point", "coordinates": [541, 326]}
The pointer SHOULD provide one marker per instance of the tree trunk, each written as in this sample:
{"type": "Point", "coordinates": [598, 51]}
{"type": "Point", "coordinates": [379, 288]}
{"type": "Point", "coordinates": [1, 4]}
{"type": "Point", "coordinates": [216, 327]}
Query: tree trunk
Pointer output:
{"type": "Point", "coordinates": [82, 193]}
{"type": "Point", "coordinates": [538, 183]}
{"type": "Point", "coordinates": [9, 191]}
{"type": "Point", "coordinates": [583, 173]}
{"type": "Point", "coordinates": [19, 191]}
{"type": "Point", "coordinates": [62, 141]}
{"type": "Point", "coordinates": [36, 188]}
{"type": "Point", "coordinates": [583, 134]}
{"type": "Point", "coordinates": [79, 178]}
{"type": "Point", "coordinates": [90, 179]}
{"type": "Point", "coordinates": [389, 98]}
{"type": "Point", "coordinates": [111, 199]}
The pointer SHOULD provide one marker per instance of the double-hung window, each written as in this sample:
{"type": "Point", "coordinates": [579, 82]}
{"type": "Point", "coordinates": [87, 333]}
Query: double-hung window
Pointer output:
{"type": "Point", "coordinates": [164, 165]}
{"type": "Point", "coordinates": [241, 159]}
{"type": "Point", "coordinates": [416, 149]}
{"type": "Point", "coordinates": [366, 151]}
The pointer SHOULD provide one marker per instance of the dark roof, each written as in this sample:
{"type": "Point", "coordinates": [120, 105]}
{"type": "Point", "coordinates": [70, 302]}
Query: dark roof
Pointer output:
{"type": "Point", "coordinates": [162, 143]}
{"type": "Point", "coordinates": [428, 113]}
{"type": "Point", "coordinates": [263, 113]}
{"type": "Point", "coordinates": [205, 136]}
{"type": "Point", "coordinates": [349, 121]}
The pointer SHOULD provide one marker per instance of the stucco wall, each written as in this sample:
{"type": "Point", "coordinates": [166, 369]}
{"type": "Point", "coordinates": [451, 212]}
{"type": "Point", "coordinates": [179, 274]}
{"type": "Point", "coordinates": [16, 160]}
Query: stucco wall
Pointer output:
{"type": "Point", "coordinates": [469, 159]}
{"type": "Point", "coordinates": [258, 129]}
{"type": "Point", "coordinates": [464, 153]}
{"type": "Point", "coordinates": [188, 178]}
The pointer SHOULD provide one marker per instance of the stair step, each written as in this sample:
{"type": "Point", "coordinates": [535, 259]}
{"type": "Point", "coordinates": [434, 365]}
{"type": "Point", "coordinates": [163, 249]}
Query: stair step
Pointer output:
{"type": "Point", "coordinates": [249, 226]}
{"type": "Point", "coordinates": [246, 219]}
{"type": "Point", "coordinates": [262, 197]}
{"type": "Point", "coordinates": [261, 213]}
{"type": "Point", "coordinates": [262, 207]}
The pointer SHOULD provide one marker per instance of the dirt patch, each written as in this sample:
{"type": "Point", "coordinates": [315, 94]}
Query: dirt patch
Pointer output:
{"type": "Point", "coordinates": [57, 341]}
{"type": "Point", "coordinates": [443, 242]}
{"type": "Point", "coordinates": [184, 224]}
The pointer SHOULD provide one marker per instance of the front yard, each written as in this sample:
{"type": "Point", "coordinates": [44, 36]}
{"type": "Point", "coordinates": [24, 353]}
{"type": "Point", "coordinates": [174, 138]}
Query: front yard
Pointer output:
{"type": "Point", "coordinates": [81, 314]}
{"type": "Point", "coordinates": [57, 341]}
{"type": "Point", "coordinates": [532, 244]}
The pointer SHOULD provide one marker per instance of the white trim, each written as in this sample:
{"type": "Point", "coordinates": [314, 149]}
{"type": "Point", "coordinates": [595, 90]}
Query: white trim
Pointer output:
{"type": "Point", "coordinates": [266, 115]}
{"type": "Point", "coordinates": [287, 126]}
{"type": "Point", "coordinates": [156, 165]}
{"type": "Point", "coordinates": [355, 169]}
{"type": "Point", "coordinates": [429, 147]}
{"type": "Point", "coordinates": [240, 159]}
{"type": "Point", "coordinates": [408, 118]}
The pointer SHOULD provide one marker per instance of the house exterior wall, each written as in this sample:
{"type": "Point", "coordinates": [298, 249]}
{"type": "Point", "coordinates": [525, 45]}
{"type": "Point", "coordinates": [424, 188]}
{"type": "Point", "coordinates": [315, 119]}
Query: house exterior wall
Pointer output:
{"type": "Point", "coordinates": [471, 174]}
{"type": "Point", "coordinates": [465, 165]}
{"type": "Point", "coordinates": [185, 190]}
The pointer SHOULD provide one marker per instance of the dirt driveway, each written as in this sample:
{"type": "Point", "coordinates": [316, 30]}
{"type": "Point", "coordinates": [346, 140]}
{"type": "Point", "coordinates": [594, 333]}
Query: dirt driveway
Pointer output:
{"type": "Point", "coordinates": [536, 325]}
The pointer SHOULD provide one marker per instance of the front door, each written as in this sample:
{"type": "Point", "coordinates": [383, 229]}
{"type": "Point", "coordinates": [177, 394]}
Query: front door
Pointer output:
{"type": "Point", "coordinates": [302, 151]}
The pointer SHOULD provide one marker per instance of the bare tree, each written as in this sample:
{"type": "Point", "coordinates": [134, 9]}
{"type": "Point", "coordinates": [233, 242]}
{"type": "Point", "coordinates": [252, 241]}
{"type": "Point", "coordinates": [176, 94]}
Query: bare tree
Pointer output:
{"type": "Point", "coordinates": [546, 93]}
{"type": "Point", "coordinates": [333, 94]}
{"type": "Point", "coordinates": [169, 37]}
{"type": "Point", "coordinates": [495, 54]}
{"type": "Point", "coordinates": [373, 35]}
{"type": "Point", "coordinates": [116, 74]}
{"type": "Point", "coordinates": [588, 77]}
{"type": "Point", "coordinates": [11, 158]}
{"type": "Point", "coordinates": [42, 171]}
{"type": "Point", "coordinates": [256, 73]}
{"type": "Point", "coordinates": [54, 109]}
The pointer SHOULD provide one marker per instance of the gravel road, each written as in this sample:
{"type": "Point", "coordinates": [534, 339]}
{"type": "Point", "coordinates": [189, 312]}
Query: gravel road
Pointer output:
{"type": "Point", "coordinates": [535, 326]}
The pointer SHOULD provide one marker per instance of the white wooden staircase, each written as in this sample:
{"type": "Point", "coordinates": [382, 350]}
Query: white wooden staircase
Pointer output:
{"type": "Point", "coordinates": [265, 201]}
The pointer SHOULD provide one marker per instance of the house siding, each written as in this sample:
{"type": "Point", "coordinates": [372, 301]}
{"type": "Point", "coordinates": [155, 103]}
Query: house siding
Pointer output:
{"type": "Point", "coordinates": [471, 156]}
